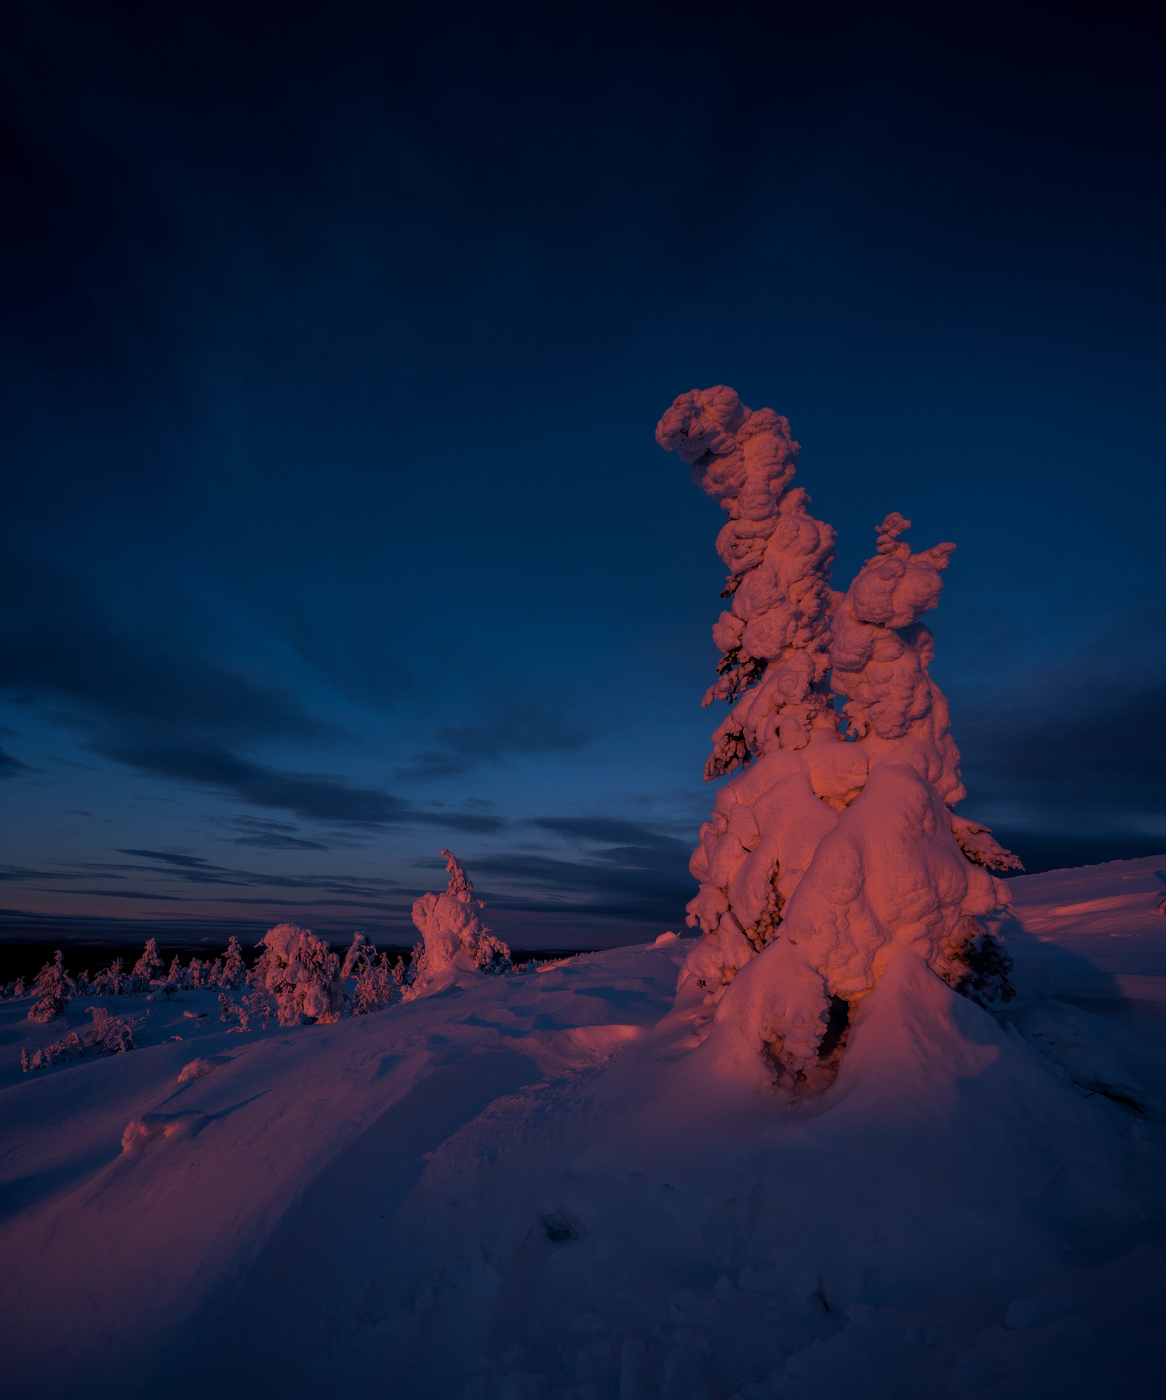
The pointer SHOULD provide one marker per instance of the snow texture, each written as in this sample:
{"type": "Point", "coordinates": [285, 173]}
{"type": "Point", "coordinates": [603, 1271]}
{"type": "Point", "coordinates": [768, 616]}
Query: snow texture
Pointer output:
{"type": "Point", "coordinates": [530, 1186]}
{"type": "Point", "coordinates": [828, 849]}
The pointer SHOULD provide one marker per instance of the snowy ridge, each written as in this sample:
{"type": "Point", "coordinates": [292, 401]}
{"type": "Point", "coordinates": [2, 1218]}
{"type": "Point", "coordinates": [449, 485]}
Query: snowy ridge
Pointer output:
{"type": "Point", "coordinates": [533, 1186]}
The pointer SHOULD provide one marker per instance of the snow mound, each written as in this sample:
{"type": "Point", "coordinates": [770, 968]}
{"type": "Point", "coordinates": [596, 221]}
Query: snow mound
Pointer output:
{"type": "Point", "coordinates": [548, 1186]}
{"type": "Point", "coordinates": [151, 1126]}
{"type": "Point", "coordinates": [197, 1069]}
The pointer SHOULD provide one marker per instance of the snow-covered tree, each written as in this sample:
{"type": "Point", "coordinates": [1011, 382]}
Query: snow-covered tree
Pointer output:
{"type": "Point", "coordinates": [302, 973]}
{"type": "Point", "coordinates": [234, 969]}
{"type": "Point", "coordinates": [111, 1035]}
{"type": "Point", "coordinates": [52, 990]}
{"type": "Point", "coordinates": [176, 979]}
{"type": "Point", "coordinates": [110, 981]}
{"type": "Point", "coordinates": [375, 986]}
{"type": "Point", "coordinates": [827, 847]}
{"type": "Point", "coordinates": [147, 968]}
{"type": "Point", "coordinates": [793, 771]}
{"type": "Point", "coordinates": [452, 932]}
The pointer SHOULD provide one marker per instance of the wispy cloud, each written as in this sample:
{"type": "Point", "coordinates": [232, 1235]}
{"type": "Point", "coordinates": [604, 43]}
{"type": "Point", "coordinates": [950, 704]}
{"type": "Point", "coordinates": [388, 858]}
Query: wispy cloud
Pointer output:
{"type": "Point", "coordinates": [153, 702]}
{"type": "Point", "coordinates": [1077, 747]}
{"type": "Point", "coordinates": [516, 729]}
{"type": "Point", "coordinates": [623, 869]}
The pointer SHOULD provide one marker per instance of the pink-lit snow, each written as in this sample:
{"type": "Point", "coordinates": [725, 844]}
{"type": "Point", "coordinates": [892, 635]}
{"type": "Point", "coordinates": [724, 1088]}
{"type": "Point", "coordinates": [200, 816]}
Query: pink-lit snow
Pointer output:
{"type": "Point", "coordinates": [532, 1185]}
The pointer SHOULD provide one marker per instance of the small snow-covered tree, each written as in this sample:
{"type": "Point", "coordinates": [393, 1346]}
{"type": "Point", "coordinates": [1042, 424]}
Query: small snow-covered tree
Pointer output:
{"type": "Point", "coordinates": [52, 990]}
{"type": "Point", "coordinates": [375, 986]}
{"type": "Point", "coordinates": [302, 973]}
{"type": "Point", "coordinates": [825, 848]}
{"type": "Point", "coordinates": [110, 981]}
{"type": "Point", "coordinates": [147, 967]}
{"type": "Point", "coordinates": [176, 979]}
{"type": "Point", "coordinates": [111, 1035]}
{"type": "Point", "coordinates": [234, 969]}
{"type": "Point", "coordinates": [452, 932]}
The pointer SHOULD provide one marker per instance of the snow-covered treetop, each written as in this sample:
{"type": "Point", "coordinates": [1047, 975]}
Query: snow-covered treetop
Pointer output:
{"type": "Point", "coordinates": [459, 881]}
{"type": "Point", "coordinates": [286, 940]}
{"type": "Point", "coordinates": [776, 634]}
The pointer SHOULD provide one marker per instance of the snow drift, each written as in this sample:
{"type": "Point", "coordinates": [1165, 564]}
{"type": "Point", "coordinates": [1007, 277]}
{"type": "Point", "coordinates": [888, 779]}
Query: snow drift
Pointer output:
{"type": "Point", "coordinates": [530, 1186]}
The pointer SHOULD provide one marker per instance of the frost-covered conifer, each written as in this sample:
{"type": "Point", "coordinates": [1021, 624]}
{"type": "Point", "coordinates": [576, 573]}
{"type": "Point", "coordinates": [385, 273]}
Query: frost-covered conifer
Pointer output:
{"type": "Point", "coordinates": [375, 985]}
{"type": "Point", "coordinates": [147, 967]}
{"type": "Point", "coordinates": [110, 981]}
{"type": "Point", "coordinates": [301, 972]}
{"type": "Point", "coordinates": [176, 979]}
{"type": "Point", "coordinates": [52, 990]}
{"type": "Point", "coordinates": [775, 639]}
{"type": "Point", "coordinates": [111, 1035]}
{"type": "Point", "coordinates": [234, 970]}
{"type": "Point", "coordinates": [452, 932]}
{"type": "Point", "coordinates": [827, 847]}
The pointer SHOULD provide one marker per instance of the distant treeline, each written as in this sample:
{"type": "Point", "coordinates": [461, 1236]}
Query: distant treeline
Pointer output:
{"type": "Point", "coordinates": [25, 957]}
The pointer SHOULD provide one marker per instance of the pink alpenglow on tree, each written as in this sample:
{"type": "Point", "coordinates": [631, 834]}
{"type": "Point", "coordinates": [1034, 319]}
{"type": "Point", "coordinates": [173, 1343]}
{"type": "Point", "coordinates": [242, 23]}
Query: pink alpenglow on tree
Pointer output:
{"type": "Point", "coordinates": [302, 974]}
{"type": "Point", "coordinates": [826, 850]}
{"type": "Point", "coordinates": [782, 732]}
{"type": "Point", "coordinates": [452, 932]}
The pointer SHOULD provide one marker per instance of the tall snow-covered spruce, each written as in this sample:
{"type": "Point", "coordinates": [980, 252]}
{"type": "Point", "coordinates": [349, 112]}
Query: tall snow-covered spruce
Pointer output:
{"type": "Point", "coordinates": [831, 844]}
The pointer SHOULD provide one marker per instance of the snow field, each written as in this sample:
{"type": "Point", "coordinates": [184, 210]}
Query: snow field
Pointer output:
{"type": "Point", "coordinates": [546, 1185]}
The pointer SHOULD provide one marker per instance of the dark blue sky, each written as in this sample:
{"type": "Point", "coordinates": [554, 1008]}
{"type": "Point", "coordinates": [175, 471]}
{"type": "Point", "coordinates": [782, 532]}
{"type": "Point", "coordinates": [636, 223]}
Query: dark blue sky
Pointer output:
{"type": "Point", "coordinates": [334, 341]}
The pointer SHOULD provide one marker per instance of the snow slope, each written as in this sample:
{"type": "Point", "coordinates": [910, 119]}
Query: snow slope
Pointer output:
{"type": "Point", "coordinates": [535, 1186]}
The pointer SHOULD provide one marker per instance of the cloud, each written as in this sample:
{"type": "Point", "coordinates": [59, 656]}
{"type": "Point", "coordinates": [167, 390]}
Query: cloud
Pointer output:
{"type": "Point", "coordinates": [195, 870]}
{"type": "Point", "coordinates": [150, 701]}
{"type": "Point", "coordinates": [1077, 748]}
{"type": "Point", "coordinates": [269, 835]}
{"type": "Point", "coordinates": [629, 870]}
{"type": "Point", "coordinates": [10, 766]}
{"type": "Point", "coordinates": [517, 729]}
{"type": "Point", "coordinates": [23, 873]}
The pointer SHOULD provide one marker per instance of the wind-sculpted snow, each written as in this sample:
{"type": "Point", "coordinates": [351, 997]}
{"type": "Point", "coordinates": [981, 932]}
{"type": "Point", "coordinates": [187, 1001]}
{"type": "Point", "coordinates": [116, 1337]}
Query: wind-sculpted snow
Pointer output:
{"type": "Point", "coordinates": [531, 1186]}
{"type": "Point", "coordinates": [829, 848]}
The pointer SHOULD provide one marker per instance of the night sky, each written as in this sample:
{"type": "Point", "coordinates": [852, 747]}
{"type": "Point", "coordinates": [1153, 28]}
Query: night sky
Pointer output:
{"type": "Point", "coordinates": [334, 340]}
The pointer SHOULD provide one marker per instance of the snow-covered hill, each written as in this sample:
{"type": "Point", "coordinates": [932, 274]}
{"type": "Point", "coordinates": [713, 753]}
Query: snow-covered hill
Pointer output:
{"type": "Point", "coordinates": [535, 1186]}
